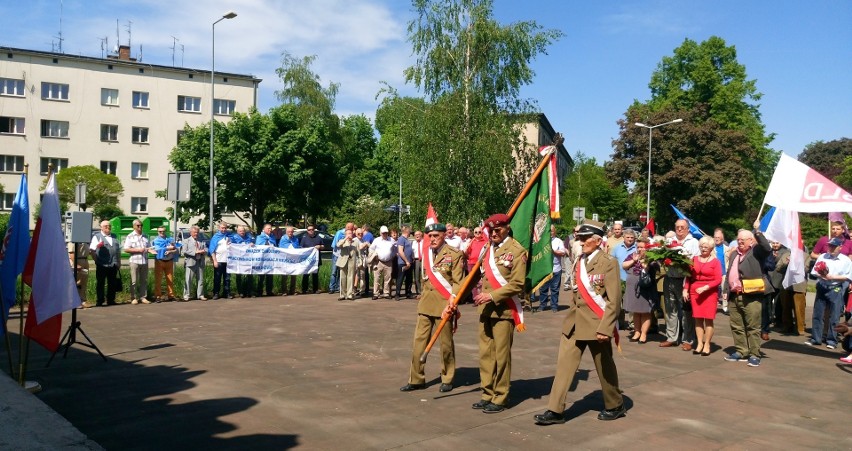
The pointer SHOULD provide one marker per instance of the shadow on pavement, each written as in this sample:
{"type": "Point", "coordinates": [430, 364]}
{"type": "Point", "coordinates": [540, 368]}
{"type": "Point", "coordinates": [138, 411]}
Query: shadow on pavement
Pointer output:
{"type": "Point", "coordinates": [123, 404]}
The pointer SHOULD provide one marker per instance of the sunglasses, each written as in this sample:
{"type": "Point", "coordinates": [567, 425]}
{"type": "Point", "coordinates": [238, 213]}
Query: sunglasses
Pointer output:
{"type": "Point", "coordinates": [476, 232]}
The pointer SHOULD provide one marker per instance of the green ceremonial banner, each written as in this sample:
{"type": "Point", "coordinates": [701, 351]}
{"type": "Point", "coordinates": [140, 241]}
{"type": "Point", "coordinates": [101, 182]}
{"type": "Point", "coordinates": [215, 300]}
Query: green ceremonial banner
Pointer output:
{"type": "Point", "coordinates": [531, 227]}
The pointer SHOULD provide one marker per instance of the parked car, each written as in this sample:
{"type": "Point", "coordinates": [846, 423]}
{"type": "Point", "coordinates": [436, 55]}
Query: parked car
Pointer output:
{"type": "Point", "coordinates": [326, 238]}
{"type": "Point", "coordinates": [183, 233]}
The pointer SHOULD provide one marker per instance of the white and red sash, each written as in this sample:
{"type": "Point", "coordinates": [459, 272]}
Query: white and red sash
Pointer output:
{"type": "Point", "coordinates": [596, 302]}
{"type": "Point", "coordinates": [496, 280]}
{"type": "Point", "coordinates": [439, 282]}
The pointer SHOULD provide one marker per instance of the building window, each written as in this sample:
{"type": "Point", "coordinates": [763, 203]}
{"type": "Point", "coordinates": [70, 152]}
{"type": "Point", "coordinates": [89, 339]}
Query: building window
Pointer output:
{"type": "Point", "coordinates": [189, 104]}
{"type": "Point", "coordinates": [139, 170]}
{"type": "Point", "coordinates": [109, 132]}
{"type": "Point", "coordinates": [140, 135]}
{"type": "Point", "coordinates": [54, 129]}
{"type": "Point", "coordinates": [109, 96]}
{"type": "Point", "coordinates": [224, 107]}
{"type": "Point", "coordinates": [11, 163]}
{"type": "Point", "coordinates": [140, 99]}
{"type": "Point", "coordinates": [109, 167]}
{"type": "Point", "coordinates": [180, 135]}
{"type": "Point", "coordinates": [11, 87]}
{"type": "Point", "coordinates": [8, 201]}
{"type": "Point", "coordinates": [139, 205]}
{"type": "Point", "coordinates": [58, 164]}
{"type": "Point", "coordinates": [12, 125]}
{"type": "Point", "coordinates": [54, 91]}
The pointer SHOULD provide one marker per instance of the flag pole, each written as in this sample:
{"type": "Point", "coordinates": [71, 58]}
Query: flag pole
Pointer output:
{"type": "Point", "coordinates": [760, 213]}
{"type": "Point", "coordinates": [474, 271]}
{"type": "Point", "coordinates": [21, 363]}
{"type": "Point", "coordinates": [30, 386]}
{"type": "Point", "coordinates": [8, 343]}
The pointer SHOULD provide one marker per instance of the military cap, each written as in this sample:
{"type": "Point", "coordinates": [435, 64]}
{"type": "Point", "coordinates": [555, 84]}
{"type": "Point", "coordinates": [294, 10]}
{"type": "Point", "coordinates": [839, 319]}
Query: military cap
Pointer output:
{"type": "Point", "coordinates": [497, 220]}
{"type": "Point", "coordinates": [589, 228]}
{"type": "Point", "coordinates": [435, 227]}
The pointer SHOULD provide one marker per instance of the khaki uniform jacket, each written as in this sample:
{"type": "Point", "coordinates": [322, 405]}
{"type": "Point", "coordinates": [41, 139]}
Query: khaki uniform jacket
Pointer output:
{"type": "Point", "coordinates": [581, 320]}
{"type": "Point", "coordinates": [515, 274]}
{"type": "Point", "coordinates": [449, 262]}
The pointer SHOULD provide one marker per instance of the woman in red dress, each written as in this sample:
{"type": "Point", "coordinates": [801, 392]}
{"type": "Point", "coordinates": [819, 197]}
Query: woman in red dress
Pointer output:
{"type": "Point", "coordinates": [700, 288]}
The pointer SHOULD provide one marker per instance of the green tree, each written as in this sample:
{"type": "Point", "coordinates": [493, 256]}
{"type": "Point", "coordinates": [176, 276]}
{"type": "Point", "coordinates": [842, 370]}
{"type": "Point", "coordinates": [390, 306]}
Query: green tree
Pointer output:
{"type": "Point", "coordinates": [829, 159]}
{"type": "Point", "coordinates": [589, 186]}
{"type": "Point", "coordinates": [102, 190]}
{"type": "Point", "coordinates": [456, 147]}
{"type": "Point", "coordinates": [713, 165]}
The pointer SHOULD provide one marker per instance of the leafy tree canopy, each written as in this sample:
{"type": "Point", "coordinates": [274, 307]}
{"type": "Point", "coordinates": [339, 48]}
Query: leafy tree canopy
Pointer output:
{"type": "Point", "coordinates": [589, 186]}
{"type": "Point", "coordinates": [102, 190]}
{"type": "Point", "coordinates": [828, 158]}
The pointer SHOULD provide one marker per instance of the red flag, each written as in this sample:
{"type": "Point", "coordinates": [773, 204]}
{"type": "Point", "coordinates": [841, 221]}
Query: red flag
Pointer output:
{"type": "Point", "coordinates": [652, 229]}
{"type": "Point", "coordinates": [48, 273]}
{"type": "Point", "coordinates": [431, 216]}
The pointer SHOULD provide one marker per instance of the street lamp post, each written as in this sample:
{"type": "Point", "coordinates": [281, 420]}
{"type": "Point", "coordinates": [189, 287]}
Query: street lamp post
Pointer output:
{"type": "Point", "coordinates": [650, 137]}
{"type": "Point", "coordinates": [227, 15]}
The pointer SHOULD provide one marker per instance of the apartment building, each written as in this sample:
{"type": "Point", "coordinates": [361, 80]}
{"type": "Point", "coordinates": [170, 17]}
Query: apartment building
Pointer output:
{"type": "Point", "coordinates": [114, 113]}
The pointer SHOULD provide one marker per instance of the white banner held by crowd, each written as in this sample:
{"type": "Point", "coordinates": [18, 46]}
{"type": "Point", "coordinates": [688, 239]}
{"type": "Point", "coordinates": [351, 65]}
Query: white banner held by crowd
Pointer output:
{"type": "Point", "coordinates": [248, 259]}
{"type": "Point", "coordinates": [797, 187]}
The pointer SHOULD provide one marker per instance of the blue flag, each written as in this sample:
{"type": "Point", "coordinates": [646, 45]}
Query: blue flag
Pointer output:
{"type": "Point", "coordinates": [693, 229]}
{"type": "Point", "coordinates": [767, 218]}
{"type": "Point", "coordinates": [15, 246]}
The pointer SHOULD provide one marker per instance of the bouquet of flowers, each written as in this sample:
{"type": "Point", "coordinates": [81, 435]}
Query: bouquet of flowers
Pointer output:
{"type": "Point", "coordinates": [669, 255]}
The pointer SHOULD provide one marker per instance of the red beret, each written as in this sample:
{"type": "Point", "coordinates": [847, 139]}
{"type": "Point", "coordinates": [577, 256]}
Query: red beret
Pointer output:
{"type": "Point", "coordinates": [497, 220]}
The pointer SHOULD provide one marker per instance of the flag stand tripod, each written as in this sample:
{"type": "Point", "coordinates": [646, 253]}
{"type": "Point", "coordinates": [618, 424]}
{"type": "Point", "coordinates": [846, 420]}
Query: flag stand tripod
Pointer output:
{"type": "Point", "coordinates": [71, 333]}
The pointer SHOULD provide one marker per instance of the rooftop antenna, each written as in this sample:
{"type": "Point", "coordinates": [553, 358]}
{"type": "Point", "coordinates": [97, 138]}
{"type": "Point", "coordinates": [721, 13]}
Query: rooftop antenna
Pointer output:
{"type": "Point", "coordinates": [60, 38]}
{"type": "Point", "coordinates": [173, 47]}
{"type": "Point", "coordinates": [129, 33]}
{"type": "Point", "coordinates": [104, 45]}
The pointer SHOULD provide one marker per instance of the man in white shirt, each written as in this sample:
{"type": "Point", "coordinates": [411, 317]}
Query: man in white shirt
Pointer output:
{"type": "Point", "coordinates": [553, 285]}
{"type": "Point", "coordinates": [136, 244]}
{"type": "Point", "coordinates": [833, 271]}
{"type": "Point", "coordinates": [679, 324]}
{"type": "Point", "coordinates": [464, 238]}
{"type": "Point", "coordinates": [451, 238]}
{"type": "Point", "coordinates": [418, 263]}
{"type": "Point", "coordinates": [382, 269]}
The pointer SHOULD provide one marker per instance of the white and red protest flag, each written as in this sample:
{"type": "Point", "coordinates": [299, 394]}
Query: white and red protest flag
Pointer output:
{"type": "Point", "coordinates": [552, 178]}
{"type": "Point", "coordinates": [48, 273]}
{"type": "Point", "coordinates": [783, 226]}
{"type": "Point", "coordinates": [797, 187]}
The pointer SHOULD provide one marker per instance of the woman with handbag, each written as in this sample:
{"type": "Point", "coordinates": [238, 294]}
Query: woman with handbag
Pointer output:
{"type": "Point", "coordinates": [640, 292]}
{"type": "Point", "coordinates": [700, 290]}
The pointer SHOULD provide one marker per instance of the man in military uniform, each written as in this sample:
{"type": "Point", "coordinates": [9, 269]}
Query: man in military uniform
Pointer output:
{"type": "Point", "coordinates": [590, 323]}
{"type": "Point", "coordinates": [444, 271]}
{"type": "Point", "coordinates": [500, 311]}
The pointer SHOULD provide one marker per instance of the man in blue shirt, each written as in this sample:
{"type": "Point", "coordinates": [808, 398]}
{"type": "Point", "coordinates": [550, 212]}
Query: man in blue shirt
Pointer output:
{"type": "Point", "coordinates": [164, 264]}
{"type": "Point", "coordinates": [288, 241]}
{"type": "Point", "coordinates": [265, 239]}
{"type": "Point", "coordinates": [244, 281]}
{"type": "Point", "coordinates": [404, 262]}
{"type": "Point", "coordinates": [219, 255]}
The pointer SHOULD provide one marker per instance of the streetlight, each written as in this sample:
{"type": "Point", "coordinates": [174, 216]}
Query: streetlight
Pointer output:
{"type": "Point", "coordinates": [227, 15]}
{"type": "Point", "coordinates": [650, 137]}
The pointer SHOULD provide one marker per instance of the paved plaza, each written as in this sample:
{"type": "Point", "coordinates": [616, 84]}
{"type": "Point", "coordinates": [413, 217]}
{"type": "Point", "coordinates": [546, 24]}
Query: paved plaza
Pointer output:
{"type": "Point", "coordinates": [311, 372]}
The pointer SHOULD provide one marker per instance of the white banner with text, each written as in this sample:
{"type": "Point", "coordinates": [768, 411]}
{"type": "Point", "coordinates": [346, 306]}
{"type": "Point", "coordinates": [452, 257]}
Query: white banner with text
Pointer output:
{"type": "Point", "coordinates": [248, 259]}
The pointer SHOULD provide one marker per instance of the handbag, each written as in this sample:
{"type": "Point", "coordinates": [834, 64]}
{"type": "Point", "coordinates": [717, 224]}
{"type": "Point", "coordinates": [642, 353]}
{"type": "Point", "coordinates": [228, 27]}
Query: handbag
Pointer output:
{"type": "Point", "coordinates": [646, 281]}
{"type": "Point", "coordinates": [753, 286]}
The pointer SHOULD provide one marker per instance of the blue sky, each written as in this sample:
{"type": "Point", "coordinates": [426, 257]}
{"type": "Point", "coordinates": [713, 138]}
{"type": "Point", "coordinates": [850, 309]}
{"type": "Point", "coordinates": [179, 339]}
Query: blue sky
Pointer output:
{"type": "Point", "coordinates": [799, 52]}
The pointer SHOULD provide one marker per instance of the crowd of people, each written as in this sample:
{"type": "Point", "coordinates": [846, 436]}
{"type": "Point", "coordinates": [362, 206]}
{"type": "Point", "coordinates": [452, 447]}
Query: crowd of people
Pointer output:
{"type": "Point", "coordinates": [610, 278]}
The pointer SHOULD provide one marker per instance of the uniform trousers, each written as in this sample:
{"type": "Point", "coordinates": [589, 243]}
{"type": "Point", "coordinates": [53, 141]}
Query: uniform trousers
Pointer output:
{"type": "Point", "coordinates": [745, 322]}
{"type": "Point", "coordinates": [138, 280]}
{"type": "Point", "coordinates": [570, 352]}
{"type": "Point", "coordinates": [495, 358]}
{"type": "Point", "coordinates": [422, 333]}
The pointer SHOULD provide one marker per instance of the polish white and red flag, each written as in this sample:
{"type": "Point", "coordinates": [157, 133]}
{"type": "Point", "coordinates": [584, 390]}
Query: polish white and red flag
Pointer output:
{"type": "Point", "coordinates": [783, 226]}
{"type": "Point", "coordinates": [797, 187]}
{"type": "Point", "coordinates": [47, 271]}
